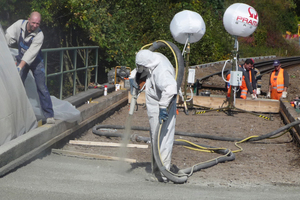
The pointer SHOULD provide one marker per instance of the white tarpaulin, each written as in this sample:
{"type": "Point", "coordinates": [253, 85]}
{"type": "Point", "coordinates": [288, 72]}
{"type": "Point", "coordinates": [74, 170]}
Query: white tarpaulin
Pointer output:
{"type": "Point", "coordinates": [16, 113]}
{"type": "Point", "coordinates": [20, 107]}
{"type": "Point", "coordinates": [63, 110]}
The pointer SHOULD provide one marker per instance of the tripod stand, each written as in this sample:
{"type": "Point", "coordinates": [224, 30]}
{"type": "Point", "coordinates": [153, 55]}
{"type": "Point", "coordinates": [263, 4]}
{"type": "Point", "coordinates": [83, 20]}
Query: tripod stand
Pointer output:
{"type": "Point", "coordinates": [235, 83]}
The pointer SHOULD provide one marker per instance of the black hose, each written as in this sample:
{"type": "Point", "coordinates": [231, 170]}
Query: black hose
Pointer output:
{"type": "Point", "coordinates": [156, 45]}
{"type": "Point", "coordinates": [294, 123]}
{"type": "Point", "coordinates": [156, 153]}
{"type": "Point", "coordinates": [137, 138]}
{"type": "Point", "coordinates": [181, 179]}
{"type": "Point", "coordinates": [155, 150]}
{"type": "Point", "coordinates": [180, 133]}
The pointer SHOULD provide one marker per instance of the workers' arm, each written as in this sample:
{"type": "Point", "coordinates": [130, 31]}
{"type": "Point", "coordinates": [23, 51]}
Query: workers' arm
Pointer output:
{"type": "Point", "coordinates": [248, 84]}
{"type": "Point", "coordinates": [22, 64]}
{"type": "Point", "coordinates": [253, 79]}
{"type": "Point", "coordinates": [12, 33]}
{"type": "Point", "coordinates": [167, 84]}
{"type": "Point", "coordinates": [286, 80]}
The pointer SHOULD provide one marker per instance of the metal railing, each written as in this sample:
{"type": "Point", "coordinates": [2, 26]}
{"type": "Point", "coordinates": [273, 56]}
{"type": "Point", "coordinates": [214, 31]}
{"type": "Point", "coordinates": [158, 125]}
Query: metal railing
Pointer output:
{"type": "Point", "coordinates": [74, 69]}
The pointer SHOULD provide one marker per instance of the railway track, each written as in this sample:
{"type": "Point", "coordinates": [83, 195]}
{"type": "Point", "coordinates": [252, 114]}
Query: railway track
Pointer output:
{"type": "Point", "coordinates": [264, 67]}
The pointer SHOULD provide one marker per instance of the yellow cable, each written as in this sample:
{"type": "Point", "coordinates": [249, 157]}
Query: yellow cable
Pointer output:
{"type": "Point", "coordinates": [146, 45]}
{"type": "Point", "coordinates": [240, 148]}
{"type": "Point", "coordinates": [205, 149]}
{"type": "Point", "coordinates": [176, 63]}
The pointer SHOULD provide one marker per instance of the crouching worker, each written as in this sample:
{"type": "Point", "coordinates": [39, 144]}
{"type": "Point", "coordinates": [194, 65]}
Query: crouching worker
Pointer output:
{"type": "Point", "coordinates": [161, 88]}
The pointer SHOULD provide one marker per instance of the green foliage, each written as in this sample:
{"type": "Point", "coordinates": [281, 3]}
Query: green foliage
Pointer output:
{"type": "Point", "coordinates": [275, 18]}
{"type": "Point", "coordinates": [12, 10]}
{"type": "Point", "coordinates": [122, 27]}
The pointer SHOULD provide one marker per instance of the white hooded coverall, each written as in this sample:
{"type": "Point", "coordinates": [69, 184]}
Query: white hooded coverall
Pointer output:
{"type": "Point", "coordinates": [161, 87]}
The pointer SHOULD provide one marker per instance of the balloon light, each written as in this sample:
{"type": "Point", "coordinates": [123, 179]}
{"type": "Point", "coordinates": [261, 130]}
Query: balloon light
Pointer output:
{"type": "Point", "coordinates": [240, 20]}
{"type": "Point", "coordinates": [187, 24]}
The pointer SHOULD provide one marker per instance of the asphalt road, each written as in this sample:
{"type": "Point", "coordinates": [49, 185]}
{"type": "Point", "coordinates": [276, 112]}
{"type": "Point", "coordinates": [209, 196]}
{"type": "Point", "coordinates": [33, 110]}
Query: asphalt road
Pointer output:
{"type": "Point", "coordinates": [64, 178]}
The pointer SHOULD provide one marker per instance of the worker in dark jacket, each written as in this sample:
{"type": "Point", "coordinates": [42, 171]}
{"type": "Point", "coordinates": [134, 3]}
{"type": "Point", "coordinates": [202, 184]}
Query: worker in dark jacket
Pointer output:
{"type": "Point", "coordinates": [248, 81]}
{"type": "Point", "coordinates": [258, 77]}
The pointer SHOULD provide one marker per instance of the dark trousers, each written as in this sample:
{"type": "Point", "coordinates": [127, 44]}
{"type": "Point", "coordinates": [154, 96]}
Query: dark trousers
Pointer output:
{"type": "Point", "coordinates": [38, 71]}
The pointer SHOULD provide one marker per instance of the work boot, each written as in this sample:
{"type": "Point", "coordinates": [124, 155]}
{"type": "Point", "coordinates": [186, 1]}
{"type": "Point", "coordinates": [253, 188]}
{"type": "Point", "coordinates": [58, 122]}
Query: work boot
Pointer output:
{"type": "Point", "coordinates": [50, 120]}
{"type": "Point", "coordinates": [157, 178]}
{"type": "Point", "coordinates": [174, 169]}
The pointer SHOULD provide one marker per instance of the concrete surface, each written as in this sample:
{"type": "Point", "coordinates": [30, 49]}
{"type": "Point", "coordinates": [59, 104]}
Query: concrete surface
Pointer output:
{"type": "Point", "coordinates": [54, 176]}
{"type": "Point", "coordinates": [64, 178]}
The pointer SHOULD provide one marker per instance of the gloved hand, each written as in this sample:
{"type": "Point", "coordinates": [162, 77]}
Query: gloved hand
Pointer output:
{"type": "Point", "coordinates": [19, 69]}
{"type": "Point", "coordinates": [163, 115]}
{"type": "Point", "coordinates": [133, 84]}
{"type": "Point", "coordinates": [269, 95]}
{"type": "Point", "coordinates": [253, 96]}
{"type": "Point", "coordinates": [257, 90]}
{"type": "Point", "coordinates": [284, 94]}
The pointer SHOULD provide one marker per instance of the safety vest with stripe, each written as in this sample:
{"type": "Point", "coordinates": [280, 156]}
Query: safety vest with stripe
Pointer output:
{"type": "Point", "coordinates": [243, 88]}
{"type": "Point", "coordinates": [277, 82]}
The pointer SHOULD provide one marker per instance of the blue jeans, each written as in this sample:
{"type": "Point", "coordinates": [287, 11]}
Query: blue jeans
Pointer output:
{"type": "Point", "coordinates": [38, 71]}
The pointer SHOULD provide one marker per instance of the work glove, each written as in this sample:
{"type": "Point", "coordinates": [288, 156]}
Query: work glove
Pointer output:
{"type": "Point", "coordinates": [19, 69]}
{"type": "Point", "coordinates": [253, 96]}
{"type": "Point", "coordinates": [269, 95]}
{"type": "Point", "coordinates": [284, 94]}
{"type": "Point", "coordinates": [133, 85]}
{"type": "Point", "coordinates": [257, 90]}
{"type": "Point", "coordinates": [163, 115]}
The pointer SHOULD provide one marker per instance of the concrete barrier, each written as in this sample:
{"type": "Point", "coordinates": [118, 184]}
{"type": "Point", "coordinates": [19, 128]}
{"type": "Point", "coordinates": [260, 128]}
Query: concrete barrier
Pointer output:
{"type": "Point", "coordinates": [25, 147]}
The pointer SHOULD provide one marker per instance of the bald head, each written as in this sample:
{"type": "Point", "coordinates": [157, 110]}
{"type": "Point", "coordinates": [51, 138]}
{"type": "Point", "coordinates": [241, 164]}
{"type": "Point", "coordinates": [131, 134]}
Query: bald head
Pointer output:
{"type": "Point", "coordinates": [33, 21]}
{"type": "Point", "coordinates": [35, 15]}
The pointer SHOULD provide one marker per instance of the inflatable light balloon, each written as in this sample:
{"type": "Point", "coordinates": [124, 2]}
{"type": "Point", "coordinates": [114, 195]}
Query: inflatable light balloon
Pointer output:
{"type": "Point", "coordinates": [240, 19]}
{"type": "Point", "coordinates": [187, 24]}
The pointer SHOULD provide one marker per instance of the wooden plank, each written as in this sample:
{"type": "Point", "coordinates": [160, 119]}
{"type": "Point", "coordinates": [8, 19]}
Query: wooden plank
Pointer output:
{"type": "Point", "coordinates": [257, 105]}
{"type": "Point", "coordinates": [89, 155]}
{"type": "Point", "coordinates": [106, 144]}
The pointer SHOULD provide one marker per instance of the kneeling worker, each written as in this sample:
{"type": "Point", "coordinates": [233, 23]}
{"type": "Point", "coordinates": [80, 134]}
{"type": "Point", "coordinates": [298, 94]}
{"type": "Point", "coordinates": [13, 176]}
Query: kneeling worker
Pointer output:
{"type": "Point", "coordinates": [279, 81]}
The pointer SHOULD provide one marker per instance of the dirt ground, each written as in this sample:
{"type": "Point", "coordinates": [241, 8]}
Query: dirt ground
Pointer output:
{"type": "Point", "coordinates": [270, 161]}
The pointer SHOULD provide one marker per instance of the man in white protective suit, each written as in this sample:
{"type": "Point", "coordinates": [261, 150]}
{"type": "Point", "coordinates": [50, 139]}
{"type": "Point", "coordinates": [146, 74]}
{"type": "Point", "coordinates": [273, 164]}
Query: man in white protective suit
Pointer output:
{"type": "Point", "coordinates": [161, 88]}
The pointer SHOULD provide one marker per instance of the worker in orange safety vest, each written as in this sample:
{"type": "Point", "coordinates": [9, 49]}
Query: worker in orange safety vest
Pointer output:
{"type": "Point", "coordinates": [248, 81]}
{"type": "Point", "coordinates": [279, 81]}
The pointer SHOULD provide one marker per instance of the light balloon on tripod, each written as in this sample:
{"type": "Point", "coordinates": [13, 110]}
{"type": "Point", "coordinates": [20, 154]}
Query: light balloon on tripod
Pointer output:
{"type": "Point", "coordinates": [240, 20]}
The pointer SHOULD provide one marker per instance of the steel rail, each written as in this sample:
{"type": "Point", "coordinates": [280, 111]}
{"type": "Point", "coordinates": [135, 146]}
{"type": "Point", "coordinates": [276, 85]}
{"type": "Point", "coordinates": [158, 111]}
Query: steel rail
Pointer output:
{"type": "Point", "coordinates": [264, 67]}
{"type": "Point", "coordinates": [284, 61]}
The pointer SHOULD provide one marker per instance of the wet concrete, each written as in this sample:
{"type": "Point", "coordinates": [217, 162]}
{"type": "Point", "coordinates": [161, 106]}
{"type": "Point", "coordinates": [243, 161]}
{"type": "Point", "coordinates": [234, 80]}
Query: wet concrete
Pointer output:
{"type": "Point", "coordinates": [64, 178]}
